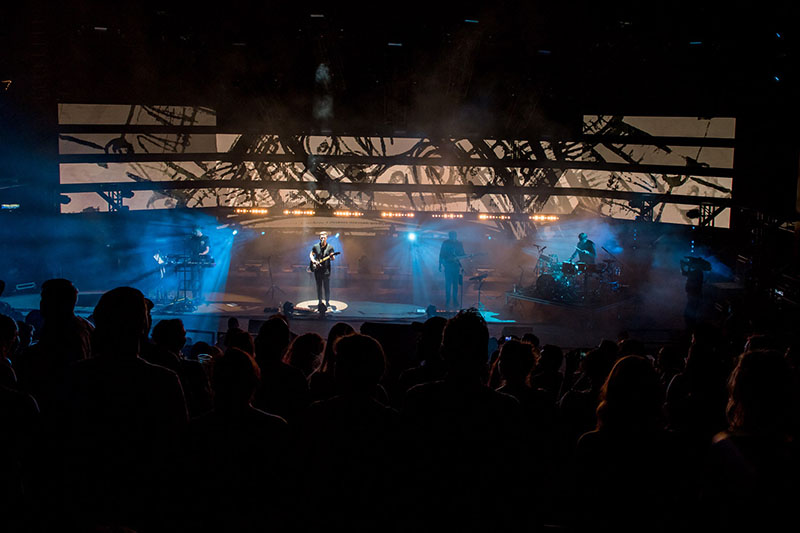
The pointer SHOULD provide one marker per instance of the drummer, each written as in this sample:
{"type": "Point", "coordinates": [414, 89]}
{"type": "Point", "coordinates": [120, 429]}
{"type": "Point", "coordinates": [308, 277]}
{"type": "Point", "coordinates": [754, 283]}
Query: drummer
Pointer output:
{"type": "Point", "coordinates": [584, 250]}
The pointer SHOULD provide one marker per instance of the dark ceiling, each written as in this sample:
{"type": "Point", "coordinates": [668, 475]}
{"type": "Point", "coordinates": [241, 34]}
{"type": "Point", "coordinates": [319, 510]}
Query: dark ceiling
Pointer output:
{"type": "Point", "coordinates": [492, 66]}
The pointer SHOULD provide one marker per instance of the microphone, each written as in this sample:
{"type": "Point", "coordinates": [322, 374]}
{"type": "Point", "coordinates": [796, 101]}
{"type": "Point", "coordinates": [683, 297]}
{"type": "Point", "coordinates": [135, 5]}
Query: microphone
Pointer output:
{"type": "Point", "coordinates": [543, 248]}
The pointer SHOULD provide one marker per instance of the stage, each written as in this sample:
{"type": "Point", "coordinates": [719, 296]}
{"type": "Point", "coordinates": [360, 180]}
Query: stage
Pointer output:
{"type": "Point", "coordinates": [505, 312]}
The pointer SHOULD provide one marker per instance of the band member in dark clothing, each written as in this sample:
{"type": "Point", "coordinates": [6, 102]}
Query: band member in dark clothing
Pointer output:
{"type": "Point", "coordinates": [198, 251]}
{"type": "Point", "coordinates": [693, 268]}
{"type": "Point", "coordinates": [584, 250]}
{"type": "Point", "coordinates": [198, 244]}
{"type": "Point", "coordinates": [449, 255]}
{"type": "Point", "coordinates": [321, 256]}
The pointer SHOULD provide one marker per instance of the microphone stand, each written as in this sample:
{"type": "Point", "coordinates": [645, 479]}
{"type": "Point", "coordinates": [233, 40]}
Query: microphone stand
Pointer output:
{"type": "Point", "coordinates": [272, 287]}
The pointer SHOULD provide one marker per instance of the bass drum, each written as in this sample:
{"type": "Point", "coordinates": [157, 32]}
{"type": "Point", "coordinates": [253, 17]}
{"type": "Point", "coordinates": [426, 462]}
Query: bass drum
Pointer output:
{"type": "Point", "coordinates": [546, 287]}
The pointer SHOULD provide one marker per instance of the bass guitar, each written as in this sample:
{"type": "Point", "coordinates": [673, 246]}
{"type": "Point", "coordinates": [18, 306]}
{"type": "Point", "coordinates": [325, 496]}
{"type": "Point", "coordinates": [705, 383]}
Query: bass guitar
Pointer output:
{"type": "Point", "coordinates": [314, 265]}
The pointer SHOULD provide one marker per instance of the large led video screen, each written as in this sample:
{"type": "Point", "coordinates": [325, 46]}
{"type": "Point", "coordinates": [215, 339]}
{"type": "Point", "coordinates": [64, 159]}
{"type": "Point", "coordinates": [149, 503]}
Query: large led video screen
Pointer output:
{"type": "Point", "coordinates": [278, 159]}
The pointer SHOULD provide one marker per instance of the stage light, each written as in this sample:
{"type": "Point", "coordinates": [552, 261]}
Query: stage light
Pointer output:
{"type": "Point", "coordinates": [235, 231]}
{"type": "Point", "coordinates": [263, 233]}
{"type": "Point", "coordinates": [494, 217]}
{"type": "Point", "coordinates": [299, 212]}
{"type": "Point", "coordinates": [393, 214]}
{"type": "Point", "coordinates": [345, 213]}
{"type": "Point", "coordinates": [412, 236]}
{"type": "Point", "coordinates": [251, 211]}
{"type": "Point", "coordinates": [449, 216]}
{"type": "Point", "coordinates": [336, 236]}
{"type": "Point", "coordinates": [543, 218]}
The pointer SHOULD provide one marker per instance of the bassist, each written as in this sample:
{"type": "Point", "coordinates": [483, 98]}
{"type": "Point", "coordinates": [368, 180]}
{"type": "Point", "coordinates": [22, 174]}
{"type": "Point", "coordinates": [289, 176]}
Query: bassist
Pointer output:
{"type": "Point", "coordinates": [449, 254]}
{"type": "Point", "coordinates": [321, 256]}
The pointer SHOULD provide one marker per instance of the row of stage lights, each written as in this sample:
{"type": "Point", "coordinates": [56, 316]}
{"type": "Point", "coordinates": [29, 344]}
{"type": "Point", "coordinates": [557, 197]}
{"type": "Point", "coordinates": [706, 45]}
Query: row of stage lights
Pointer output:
{"type": "Point", "coordinates": [398, 214]}
{"type": "Point", "coordinates": [251, 211]}
{"type": "Point", "coordinates": [393, 214]}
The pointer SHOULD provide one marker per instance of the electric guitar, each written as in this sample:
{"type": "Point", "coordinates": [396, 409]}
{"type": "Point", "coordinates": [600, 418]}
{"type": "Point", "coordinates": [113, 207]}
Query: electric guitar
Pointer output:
{"type": "Point", "coordinates": [314, 265]}
{"type": "Point", "coordinates": [468, 256]}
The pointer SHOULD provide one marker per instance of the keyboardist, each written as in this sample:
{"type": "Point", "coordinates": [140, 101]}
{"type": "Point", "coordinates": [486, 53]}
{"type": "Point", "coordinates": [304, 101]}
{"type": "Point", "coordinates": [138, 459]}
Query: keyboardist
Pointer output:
{"type": "Point", "coordinates": [199, 243]}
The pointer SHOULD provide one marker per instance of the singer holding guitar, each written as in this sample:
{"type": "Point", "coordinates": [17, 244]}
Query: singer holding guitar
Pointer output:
{"type": "Point", "coordinates": [321, 256]}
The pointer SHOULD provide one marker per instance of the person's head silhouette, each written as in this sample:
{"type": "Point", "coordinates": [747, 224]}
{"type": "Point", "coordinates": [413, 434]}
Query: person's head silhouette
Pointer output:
{"type": "Point", "coordinates": [58, 300]}
{"type": "Point", "coordinates": [120, 319]}
{"type": "Point", "coordinates": [516, 361]}
{"type": "Point", "coordinates": [272, 340]}
{"type": "Point", "coordinates": [235, 379]}
{"type": "Point", "coordinates": [631, 396]}
{"type": "Point", "coordinates": [170, 335]}
{"type": "Point", "coordinates": [465, 343]}
{"type": "Point", "coordinates": [761, 394]}
{"type": "Point", "coordinates": [360, 364]}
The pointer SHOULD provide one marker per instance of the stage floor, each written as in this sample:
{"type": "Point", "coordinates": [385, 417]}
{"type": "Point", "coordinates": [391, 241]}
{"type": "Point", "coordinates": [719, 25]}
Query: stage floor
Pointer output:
{"type": "Point", "coordinates": [568, 327]}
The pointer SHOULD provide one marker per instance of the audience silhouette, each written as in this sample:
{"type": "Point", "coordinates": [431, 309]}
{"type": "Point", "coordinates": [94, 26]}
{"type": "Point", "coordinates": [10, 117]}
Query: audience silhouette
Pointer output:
{"type": "Point", "coordinates": [283, 389]}
{"type": "Point", "coordinates": [350, 439]}
{"type": "Point", "coordinates": [304, 353]}
{"type": "Point", "coordinates": [454, 423]}
{"type": "Point", "coordinates": [63, 339]}
{"type": "Point", "coordinates": [126, 419]}
{"type": "Point", "coordinates": [321, 383]}
{"type": "Point", "coordinates": [169, 338]}
{"type": "Point", "coordinates": [240, 449]}
{"type": "Point", "coordinates": [103, 426]}
{"type": "Point", "coordinates": [753, 474]}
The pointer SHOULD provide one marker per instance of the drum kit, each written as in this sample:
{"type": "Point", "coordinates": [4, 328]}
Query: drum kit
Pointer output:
{"type": "Point", "coordinates": [567, 281]}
